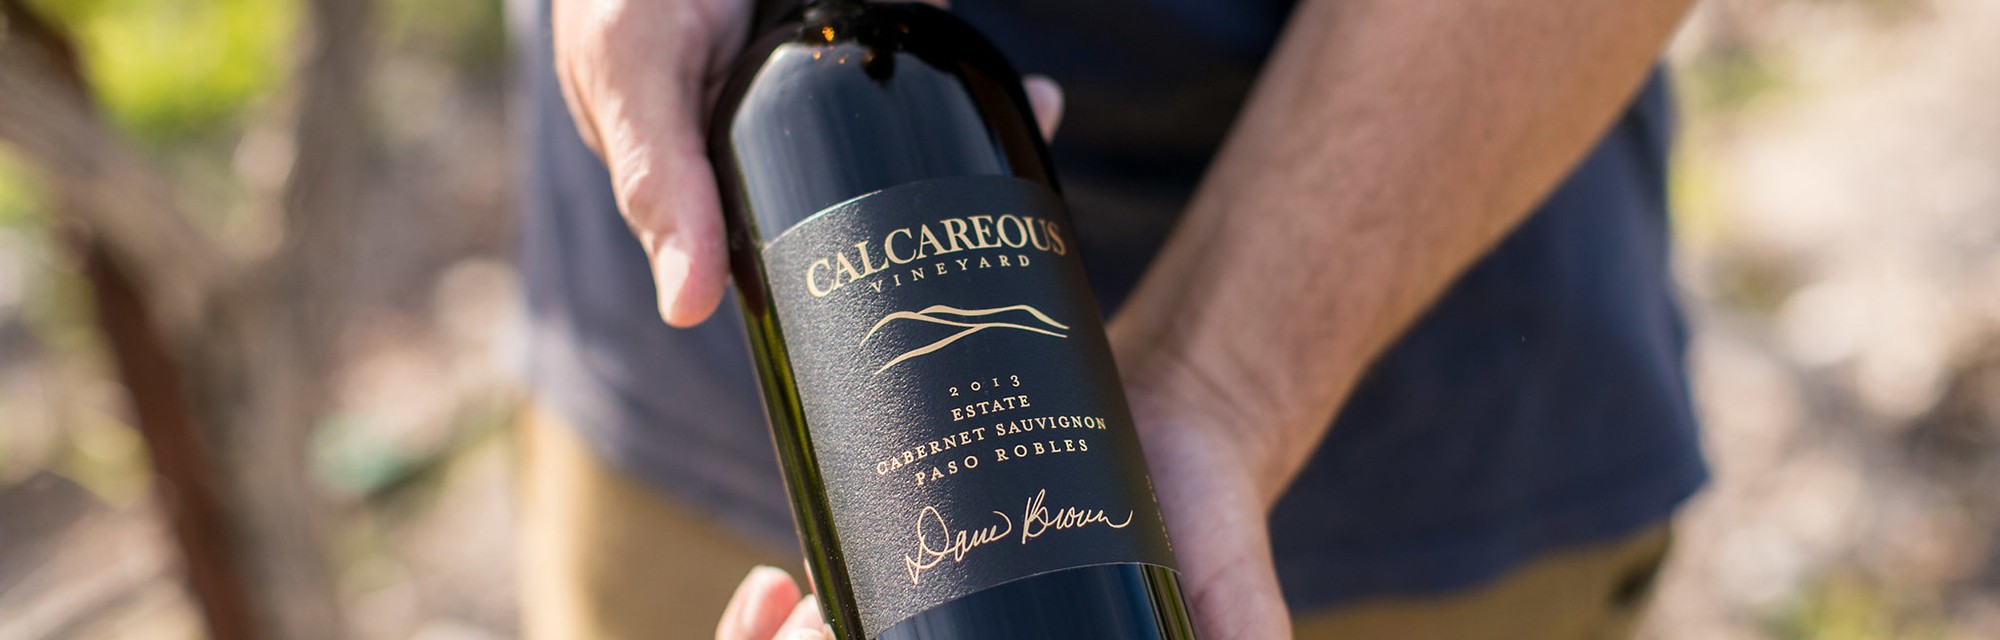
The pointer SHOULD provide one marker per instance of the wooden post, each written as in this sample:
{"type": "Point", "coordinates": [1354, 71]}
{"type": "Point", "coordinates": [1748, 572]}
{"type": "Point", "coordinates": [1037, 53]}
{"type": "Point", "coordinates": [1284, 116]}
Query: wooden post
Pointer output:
{"type": "Point", "coordinates": [183, 476]}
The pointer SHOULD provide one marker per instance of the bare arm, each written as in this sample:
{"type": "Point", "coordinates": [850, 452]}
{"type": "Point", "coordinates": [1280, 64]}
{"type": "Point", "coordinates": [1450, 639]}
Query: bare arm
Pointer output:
{"type": "Point", "coordinates": [1388, 145]}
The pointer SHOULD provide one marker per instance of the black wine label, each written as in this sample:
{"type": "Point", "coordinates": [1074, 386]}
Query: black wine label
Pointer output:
{"type": "Point", "coordinates": [959, 393]}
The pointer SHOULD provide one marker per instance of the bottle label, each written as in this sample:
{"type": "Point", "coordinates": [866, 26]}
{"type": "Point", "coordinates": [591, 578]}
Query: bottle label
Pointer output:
{"type": "Point", "coordinates": [959, 393]}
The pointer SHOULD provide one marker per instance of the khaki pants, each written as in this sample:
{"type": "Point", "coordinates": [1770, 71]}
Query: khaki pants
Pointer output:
{"type": "Point", "coordinates": [603, 556]}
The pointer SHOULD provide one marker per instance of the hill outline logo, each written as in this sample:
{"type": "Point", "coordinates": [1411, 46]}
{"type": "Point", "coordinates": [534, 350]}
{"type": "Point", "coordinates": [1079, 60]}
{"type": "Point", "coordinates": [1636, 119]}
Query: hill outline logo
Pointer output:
{"type": "Point", "coordinates": [943, 315]}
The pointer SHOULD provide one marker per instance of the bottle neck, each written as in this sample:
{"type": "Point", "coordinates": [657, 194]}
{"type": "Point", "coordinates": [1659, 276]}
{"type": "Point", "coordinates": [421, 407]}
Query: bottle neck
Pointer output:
{"type": "Point", "coordinates": [769, 14]}
{"type": "Point", "coordinates": [840, 6]}
{"type": "Point", "coordinates": [832, 10]}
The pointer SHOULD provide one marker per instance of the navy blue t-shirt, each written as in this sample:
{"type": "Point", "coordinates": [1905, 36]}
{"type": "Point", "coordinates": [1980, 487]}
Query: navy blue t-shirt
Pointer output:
{"type": "Point", "coordinates": [1541, 403]}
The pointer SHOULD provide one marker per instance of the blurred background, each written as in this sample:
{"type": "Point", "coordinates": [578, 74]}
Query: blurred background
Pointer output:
{"type": "Point", "coordinates": [1837, 188]}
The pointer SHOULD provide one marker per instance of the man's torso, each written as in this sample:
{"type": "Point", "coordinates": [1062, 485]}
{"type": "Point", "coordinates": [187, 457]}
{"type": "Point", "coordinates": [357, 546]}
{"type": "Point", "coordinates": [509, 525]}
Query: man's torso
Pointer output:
{"type": "Point", "coordinates": [1540, 404]}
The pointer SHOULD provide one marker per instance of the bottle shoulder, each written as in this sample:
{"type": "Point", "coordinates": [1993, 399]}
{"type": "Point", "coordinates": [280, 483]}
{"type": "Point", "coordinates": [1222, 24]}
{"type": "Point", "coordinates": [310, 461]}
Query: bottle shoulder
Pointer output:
{"type": "Point", "coordinates": [873, 42]}
{"type": "Point", "coordinates": [830, 107]}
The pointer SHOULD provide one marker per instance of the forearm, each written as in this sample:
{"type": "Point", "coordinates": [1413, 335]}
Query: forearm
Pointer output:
{"type": "Point", "coordinates": [1388, 145]}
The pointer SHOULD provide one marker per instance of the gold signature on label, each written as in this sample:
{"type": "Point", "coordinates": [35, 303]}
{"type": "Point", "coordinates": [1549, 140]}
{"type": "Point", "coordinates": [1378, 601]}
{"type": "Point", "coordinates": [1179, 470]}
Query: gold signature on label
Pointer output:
{"type": "Point", "coordinates": [938, 542]}
{"type": "Point", "coordinates": [956, 317]}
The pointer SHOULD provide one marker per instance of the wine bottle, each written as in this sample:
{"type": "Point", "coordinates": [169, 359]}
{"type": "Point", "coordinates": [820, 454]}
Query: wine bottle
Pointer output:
{"type": "Point", "coordinates": [956, 444]}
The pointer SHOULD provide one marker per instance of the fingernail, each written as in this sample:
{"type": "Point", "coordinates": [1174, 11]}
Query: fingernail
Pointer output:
{"type": "Point", "coordinates": [1046, 98]}
{"type": "Point", "coordinates": [670, 272]}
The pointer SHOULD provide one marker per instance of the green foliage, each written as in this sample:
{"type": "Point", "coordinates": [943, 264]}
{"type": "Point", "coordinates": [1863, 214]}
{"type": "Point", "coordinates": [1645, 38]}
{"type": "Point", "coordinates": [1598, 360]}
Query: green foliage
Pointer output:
{"type": "Point", "coordinates": [470, 34]}
{"type": "Point", "coordinates": [169, 70]}
{"type": "Point", "coordinates": [19, 196]}
{"type": "Point", "coordinates": [353, 455]}
{"type": "Point", "coordinates": [1725, 81]}
{"type": "Point", "coordinates": [1848, 607]}
{"type": "Point", "coordinates": [66, 421]}
{"type": "Point", "coordinates": [20, 448]}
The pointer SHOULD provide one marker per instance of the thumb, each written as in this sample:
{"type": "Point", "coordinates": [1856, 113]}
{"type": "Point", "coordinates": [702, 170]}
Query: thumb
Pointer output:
{"type": "Point", "coordinates": [1225, 553]}
{"type": "Point", "coordinates": [1218, 520]}
{"type": "Point", "coordinates": [632, 77]}
{"type": "Point", "coordinates": [666, 189]}
{"type": "Point", "coordinates": [1231, 583]}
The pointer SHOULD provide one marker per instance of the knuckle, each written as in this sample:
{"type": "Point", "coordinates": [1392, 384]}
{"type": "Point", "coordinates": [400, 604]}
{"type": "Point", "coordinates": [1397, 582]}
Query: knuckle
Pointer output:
{"type": "Point", "coordinates": [642, 191]}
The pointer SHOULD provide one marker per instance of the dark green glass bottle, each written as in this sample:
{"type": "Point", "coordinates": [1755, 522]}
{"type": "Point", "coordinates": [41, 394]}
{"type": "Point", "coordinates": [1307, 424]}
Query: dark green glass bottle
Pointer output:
{"type": "Point", "coordinates": [957, 448]}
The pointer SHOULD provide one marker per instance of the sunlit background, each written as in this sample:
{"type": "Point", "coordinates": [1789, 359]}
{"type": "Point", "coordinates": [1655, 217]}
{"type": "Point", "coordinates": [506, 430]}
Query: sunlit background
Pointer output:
{"type": "Point", "coordinates": [1838, 216]}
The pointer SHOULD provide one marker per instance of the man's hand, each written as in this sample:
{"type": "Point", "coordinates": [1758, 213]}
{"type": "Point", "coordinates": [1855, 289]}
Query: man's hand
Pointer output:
{"type": "Point", "coordinates": [636, 74]}
{"type": "Point", "coordinates": [1206, 481]}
